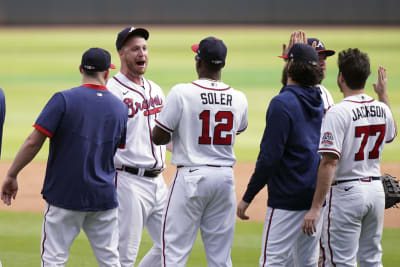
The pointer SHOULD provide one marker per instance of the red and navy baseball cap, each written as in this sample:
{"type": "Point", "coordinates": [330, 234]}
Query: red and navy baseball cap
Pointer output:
{"type": "Point", "coordinates": [303, 52]}
{"type": "Point", "coordinates": [96, 59]}
{"type": "Point", "coordinates": [320, 47]}
{"type": "Point", "coordinates": [211, 50]}
{"type": "Point", "coordinates": [130, 31]}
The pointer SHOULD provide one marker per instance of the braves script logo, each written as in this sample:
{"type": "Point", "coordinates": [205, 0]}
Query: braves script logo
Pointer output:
{"type": "Point", "coordinates": [150, 106]}
{"type": "Point", "coordinates": [327, 139]}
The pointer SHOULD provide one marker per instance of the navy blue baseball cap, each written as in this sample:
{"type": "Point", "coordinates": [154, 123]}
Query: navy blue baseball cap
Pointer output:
{"type": "Point", "coordinates": [303, 52]}
{"type": "Point", "coordinates": [96, 59]}
{"type": "Point", "coordinates": [320, 47]}
{"type": "Point", "coordinates": [211, 50]}
{"type": "Point", "coordinates": [130, 31]}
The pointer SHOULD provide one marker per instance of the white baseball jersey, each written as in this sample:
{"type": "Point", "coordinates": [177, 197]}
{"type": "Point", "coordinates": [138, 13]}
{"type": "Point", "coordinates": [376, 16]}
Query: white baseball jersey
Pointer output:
{"type": "Point", "coordinates": [326, 98]}
{"type": "Point", "coordinates": [144, 104]}
{"type": "Point", "coordinates": [356, 129]}
{"type": "Point", "coordinates": [204, 117]}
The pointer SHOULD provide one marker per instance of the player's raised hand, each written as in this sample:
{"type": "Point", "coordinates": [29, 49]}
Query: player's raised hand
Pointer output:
{"type": "Point", "coordinates": [310, 221]}
{"type": "Point", "coordinates": [380, 86]}
{"type": "Point", "coordinates": [241, 210]}
{"type": "Point", "coordinates": [9, 190]}
{"type": "Point", "coordinates": [296, 37]}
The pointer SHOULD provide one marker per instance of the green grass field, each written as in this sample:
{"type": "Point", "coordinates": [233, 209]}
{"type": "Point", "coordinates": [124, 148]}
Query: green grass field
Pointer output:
{"type": "Point", "coordinates": [35, 63]}
{"type": "Point", "coordinates": [20, 244]}
{"type": "Point", "coordinates": [38, 62]}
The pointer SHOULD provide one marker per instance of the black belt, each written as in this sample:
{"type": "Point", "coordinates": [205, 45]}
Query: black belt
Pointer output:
{"type": "Point", "coordinates": [208, 165]}
{"type": "Point", "coordinates": [135, 171]}
{"type": "Point", "coordinates": [365, 179]}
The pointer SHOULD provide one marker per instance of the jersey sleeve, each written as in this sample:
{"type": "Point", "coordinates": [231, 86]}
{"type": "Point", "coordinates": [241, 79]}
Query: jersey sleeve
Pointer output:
{"type": "Point", "coordinates": [332, 134]}
{"type": "Point", "coordinates": [391, 130]}
{"type": "Point", "coordinates": [51, 115]}
{"type": "Point", "coordinates": [243, 119]}
{"type": "Point", "coordinates": [171, 113]}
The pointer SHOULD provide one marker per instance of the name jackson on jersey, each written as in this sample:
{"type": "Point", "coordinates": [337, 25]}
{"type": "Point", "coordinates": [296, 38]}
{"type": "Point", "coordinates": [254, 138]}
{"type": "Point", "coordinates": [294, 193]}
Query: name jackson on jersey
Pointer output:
{"type": "Point", "coordinates": [150, 106]}
{"type": "Point", "coordinates": [368, 111]}
{"type": "Point", "coordinates": [216, 98]}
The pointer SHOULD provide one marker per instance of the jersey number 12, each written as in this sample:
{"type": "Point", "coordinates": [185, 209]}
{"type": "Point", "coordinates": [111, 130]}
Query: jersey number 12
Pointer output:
{"type": "Point", "coordinates": [220, 127]}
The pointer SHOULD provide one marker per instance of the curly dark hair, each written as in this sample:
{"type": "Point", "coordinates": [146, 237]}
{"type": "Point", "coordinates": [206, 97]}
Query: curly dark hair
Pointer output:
{"type": "Point", "coordinates": [355, 67]}
{"type": "Point", "coordinates": [304, 73]}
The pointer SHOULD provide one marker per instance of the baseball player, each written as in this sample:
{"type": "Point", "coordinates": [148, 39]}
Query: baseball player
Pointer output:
{"type": "Point", "coordinates": [288, 163]}
{"type": "Point", "coordinates": [353, 135]}
{"type": "Point", "coordinates": [202, 118]}
{"type": "Point", "coordinates": [86, 125]}
{"type": "Point", "coordinates": [323, 53]}
{"type": "Point", "coordinates": [141, 189]}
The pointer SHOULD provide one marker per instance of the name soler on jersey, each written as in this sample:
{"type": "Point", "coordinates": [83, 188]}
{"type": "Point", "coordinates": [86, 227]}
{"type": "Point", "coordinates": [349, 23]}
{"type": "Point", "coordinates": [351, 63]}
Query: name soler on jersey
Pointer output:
{"type": "Point", "coordinates": [368, 111]}
{"type": "Point", "coordinates": [216, 98]}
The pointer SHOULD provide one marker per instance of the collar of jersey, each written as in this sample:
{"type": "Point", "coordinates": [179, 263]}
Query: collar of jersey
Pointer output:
{"type": "Point", "coordinates": [128, 82]}
{"type": "Point", "coordinates": [213, 85]}
{"type": "Point", "coordinates": [360, 98]}
{"type": "Point", "coordinates": [95, 86]}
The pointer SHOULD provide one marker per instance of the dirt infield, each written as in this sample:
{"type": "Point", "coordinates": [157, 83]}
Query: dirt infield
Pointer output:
{"type": "Point", "coordinates": [31, 180]}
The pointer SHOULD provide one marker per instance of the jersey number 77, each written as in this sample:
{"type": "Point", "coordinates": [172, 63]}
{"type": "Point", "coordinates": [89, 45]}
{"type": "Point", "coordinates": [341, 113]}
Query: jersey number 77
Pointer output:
{"type": "Point", "coordinates": [365, 132]}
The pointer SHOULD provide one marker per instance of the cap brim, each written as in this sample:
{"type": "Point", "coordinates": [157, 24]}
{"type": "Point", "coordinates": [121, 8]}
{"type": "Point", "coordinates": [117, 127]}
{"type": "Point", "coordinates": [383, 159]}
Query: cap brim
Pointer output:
{"type": "Point", "coordinates": [112, 66]}
{"type": "Point", "coordinates": [195, 47]}
{"type": "Point", "coordinates": [328, 53]}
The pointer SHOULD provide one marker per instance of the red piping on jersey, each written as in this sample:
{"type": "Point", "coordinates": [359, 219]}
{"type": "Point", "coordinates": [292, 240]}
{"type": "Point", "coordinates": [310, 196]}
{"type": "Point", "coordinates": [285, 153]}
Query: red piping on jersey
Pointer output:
{"type": "Point", "coordinates": [360, 102]}
{"type": "Point", "coordinates": [395, 134]}
{"type": "Point", "coordinates": [329, 149]}
{"type": "Point", "coordinates": [130, 88]}
{"type": "Point", "coordinates": [329, 225]}
{"type": "Point", "coordinates": [241, 131]}
{"type": "Point", "coordinates": [165, 218]}
{"type": "Point", "coordinates": [44, 232]}
{"type": "Point", "coordinates": [163, 126]}
{"type": "Point", "coordinates": [213, 89]}
{"type": "Point", "coordinates": [122, 147]}
{"type": "Point", "coordinates": [95, 86]}
{"type": "Point", "coordinates": [148, 118]}
{"type": "Point", "coordinates": [43, 130]}
{"type": "Point", "coordinates": [150, 135]}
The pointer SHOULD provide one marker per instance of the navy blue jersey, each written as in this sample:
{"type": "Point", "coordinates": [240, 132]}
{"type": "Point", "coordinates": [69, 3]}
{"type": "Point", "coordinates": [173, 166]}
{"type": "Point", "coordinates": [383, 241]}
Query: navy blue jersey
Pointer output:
{"type": "Point", "coordinates": [288, 159]}
{"type": "Point", "coordinates": [2, 115]}
{"type": "Point", "coordinates": [86, 125]}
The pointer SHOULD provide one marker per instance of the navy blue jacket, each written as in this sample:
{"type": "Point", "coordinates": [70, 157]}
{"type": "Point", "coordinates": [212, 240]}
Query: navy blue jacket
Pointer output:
{"type": "Point", "coordinates": [288, 159]}
{"type": "Point", "coordinates": [86, 125]}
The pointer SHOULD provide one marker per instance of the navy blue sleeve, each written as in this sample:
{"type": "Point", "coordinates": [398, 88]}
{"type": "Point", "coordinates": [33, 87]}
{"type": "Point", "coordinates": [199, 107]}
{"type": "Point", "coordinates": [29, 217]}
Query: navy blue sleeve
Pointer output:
{"type": "Point", "coordinates": [2, 115]}
{"type": "Point", "coordinates": [271, 148]}
{"type": "Point", "coordinates": [51, 115]}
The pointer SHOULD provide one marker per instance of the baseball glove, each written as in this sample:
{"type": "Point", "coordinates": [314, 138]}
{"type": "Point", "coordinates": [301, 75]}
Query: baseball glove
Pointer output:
{"type": "Point", "coordinates": [392, 190]}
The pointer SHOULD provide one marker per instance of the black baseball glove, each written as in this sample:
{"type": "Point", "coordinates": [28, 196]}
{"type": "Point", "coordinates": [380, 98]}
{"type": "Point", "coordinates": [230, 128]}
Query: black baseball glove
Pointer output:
{"type": "Point", "coordinates": [392, 190]}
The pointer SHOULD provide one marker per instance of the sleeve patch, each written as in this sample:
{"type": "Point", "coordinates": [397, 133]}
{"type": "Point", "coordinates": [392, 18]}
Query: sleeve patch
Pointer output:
{"type": "Point", "coordinates": [327, 139]}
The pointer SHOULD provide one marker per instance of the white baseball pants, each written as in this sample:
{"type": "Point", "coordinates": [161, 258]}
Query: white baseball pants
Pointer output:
{"type": "Point", "coordinates": [200, 198]}
{"type": "Point", "coordinates": [354, 224]}
{"type": "Point", "coordinates": [141, 203]}
{"type": "Point", "coordinates": [62, 226]}
{"type": "Point", "coordinates": [285, 244]}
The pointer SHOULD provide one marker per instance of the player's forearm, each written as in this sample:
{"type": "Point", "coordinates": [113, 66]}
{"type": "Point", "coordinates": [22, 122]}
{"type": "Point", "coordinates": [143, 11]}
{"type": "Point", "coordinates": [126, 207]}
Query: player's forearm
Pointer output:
{"type": "Point", "coordinates": [26, 153]}
{"type": "Point", "coordinates": [326, 172]}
